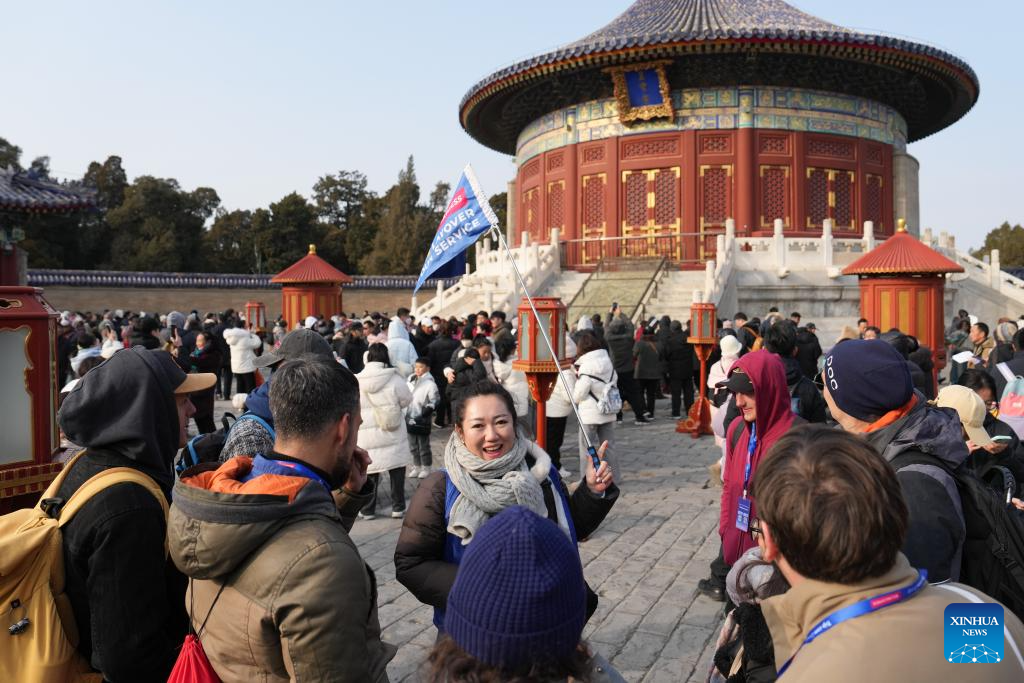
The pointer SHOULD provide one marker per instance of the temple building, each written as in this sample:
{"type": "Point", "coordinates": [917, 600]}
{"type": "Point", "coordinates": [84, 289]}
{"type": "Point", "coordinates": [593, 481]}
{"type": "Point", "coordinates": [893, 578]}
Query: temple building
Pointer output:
{"type": "Point", "coordinates": [644, 137]}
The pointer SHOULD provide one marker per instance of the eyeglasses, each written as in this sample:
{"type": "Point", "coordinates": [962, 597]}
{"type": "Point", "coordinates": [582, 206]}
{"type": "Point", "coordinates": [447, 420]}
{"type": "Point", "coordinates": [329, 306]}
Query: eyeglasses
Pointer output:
{"type": "Point", "coordinates": [754, 528]}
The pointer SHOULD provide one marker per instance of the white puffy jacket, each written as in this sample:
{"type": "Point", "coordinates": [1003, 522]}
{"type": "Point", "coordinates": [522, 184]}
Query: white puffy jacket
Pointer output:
{"type": "Point", "coordinates": [594, 370]}
{"type": "Point", "coordinates": [401, 351]}
{"type": "Point", "coordinates": [514, 382]}
{"type": "Point", "coordinates": [424, 394]}
{"type": "Point", "coordinates": [560, 403]}
{"type": "Point", "coordinates": [383, 387]}
{"type": "Point", "coordinates": [243, 345]}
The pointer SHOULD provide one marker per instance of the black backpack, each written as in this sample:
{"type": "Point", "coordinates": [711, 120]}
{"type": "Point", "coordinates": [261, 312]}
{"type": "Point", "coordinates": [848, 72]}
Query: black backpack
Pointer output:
{"type": "Point", "coordinates": [993, 554]}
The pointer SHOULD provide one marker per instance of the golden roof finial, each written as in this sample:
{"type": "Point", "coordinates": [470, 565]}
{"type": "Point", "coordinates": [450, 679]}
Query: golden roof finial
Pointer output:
{"type": "Point", "coordinates": [901, 225]}
{"type": "Point", "coordinates": [312, 248]}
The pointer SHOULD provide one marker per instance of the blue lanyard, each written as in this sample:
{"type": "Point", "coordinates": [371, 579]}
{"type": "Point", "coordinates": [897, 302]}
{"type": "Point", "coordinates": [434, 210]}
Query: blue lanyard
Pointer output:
{"type": "Point", "coordinates": [304, 471]}
{"type": "Point", "coordinates": [751, 447]}
{"type": "Point", "coordinates": [859, 609]}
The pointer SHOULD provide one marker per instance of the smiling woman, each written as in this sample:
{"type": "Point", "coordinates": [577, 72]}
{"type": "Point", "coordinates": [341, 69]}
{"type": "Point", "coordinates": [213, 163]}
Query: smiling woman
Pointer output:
{"type": "Point", "coordinates": [488, 468]}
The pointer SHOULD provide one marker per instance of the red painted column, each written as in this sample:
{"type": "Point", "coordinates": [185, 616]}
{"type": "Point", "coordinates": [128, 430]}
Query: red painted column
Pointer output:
{"type": "Point", "coordinates": [744, 182]}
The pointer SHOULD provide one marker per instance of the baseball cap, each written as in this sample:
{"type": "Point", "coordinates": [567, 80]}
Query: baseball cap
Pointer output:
{"type": "Point", "coordinates": [738, 382]}
{"type": "Point", "coordinates": [971, 409]}
{"type": "Point", "coordinates": [296, 343]}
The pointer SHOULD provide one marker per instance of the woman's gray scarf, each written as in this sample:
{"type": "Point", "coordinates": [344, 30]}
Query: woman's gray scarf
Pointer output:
{"type": "Point", "coordinates": [489, 486]}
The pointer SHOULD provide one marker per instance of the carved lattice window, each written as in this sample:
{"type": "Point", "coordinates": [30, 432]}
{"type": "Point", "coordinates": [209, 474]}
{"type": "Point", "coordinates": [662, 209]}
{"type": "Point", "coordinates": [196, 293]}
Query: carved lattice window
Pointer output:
{"type": "Point", "coordinates": [593, 202]}
{"type": "Point", "coordinates": [714, 144]}
{"type": "Point", "coordinates": [873, 199]}
{"type": "Point", "coordinates": [774, 194]}
{"type": "Point", "coordinates": [830, 147]}
{"type": "Point", "coordinates": [531, 169]}
{"type": "Point", "coordinates": [650, 148]}
{"type": "Point", "coordinates": [842, 188]}
{"type": "Point", "coordinates": [636, 198]}
{"type": "Point", "coordinates": [665, 210]}
{"type": "Point", "coordinates": [774, 144]}
{"type": "Point", "coordinates": [817, 196]}
{"type": "Point", "coordinates": [531, 203]}
{"type": "Point", "coordinates": [556, 207]}
{"type": "Point", "coordinates": [593, 154]}
{"type": "Point", "coordinates": [556, 161]}
{"type": "Point", "coordinates": [715, 207]}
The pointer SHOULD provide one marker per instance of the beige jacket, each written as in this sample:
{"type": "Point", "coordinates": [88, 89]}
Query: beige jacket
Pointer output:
{"type": "Point", "coordinates": [899, 644]}
{"type": "Point", "coordinates": [299, 603]}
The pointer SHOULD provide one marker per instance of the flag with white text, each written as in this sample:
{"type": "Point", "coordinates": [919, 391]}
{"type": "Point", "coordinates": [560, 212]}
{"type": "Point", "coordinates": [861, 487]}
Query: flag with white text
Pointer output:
{"type": "Point", "coordinates": [466, 218]}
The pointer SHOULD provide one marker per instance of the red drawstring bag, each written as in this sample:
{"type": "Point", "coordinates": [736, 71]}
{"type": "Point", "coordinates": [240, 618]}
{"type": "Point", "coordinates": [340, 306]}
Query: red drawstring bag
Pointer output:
{"type": "Point", "coordinates": [192, 665]}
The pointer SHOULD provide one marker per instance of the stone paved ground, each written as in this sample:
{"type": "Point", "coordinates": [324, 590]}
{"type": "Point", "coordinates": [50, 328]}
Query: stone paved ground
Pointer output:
{"type": "Point", "coordinates": [644, 562]}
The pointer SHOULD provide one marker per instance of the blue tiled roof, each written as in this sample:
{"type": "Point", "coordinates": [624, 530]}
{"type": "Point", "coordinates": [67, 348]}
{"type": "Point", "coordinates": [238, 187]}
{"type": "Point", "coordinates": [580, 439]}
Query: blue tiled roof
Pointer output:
{"type": "Point", "coordinates": [125, 278]}
{"type": "Point", "coordinates": [678, 28]}
{"type": "Point", "coordinates": [20, 191]}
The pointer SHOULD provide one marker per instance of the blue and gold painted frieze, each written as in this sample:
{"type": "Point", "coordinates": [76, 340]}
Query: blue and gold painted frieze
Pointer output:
{"type": "Point", "coordinates": [722, 109]}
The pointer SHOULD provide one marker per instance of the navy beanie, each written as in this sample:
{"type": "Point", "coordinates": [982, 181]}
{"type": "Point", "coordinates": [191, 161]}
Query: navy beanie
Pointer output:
{"type": "Point", "coordinates": [867, 378]}
{"type": "Point", "coordinates": [519, 596]}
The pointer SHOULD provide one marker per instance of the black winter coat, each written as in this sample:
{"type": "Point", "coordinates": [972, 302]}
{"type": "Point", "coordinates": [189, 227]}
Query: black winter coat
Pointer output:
{"type": "Point", "coordinates": [810, 404]}
{"type": "Point", "coordinates": [808, 351]}
{"type": "Point", "coordinates": [677, 353]}
{"type": "Point", "coordinates": [419, 555]}
{"type": "Point", "coordinates": [465, 375]}
{"type": "Point", "coordinates": [619, 334]}
{"type": "Point", "coordinates": [440, 352]}
{"type": "Point", "coordinates": [128, 600]}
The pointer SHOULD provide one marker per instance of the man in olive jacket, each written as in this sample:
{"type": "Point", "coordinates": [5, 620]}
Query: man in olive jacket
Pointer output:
{"type": "Point", "coordinates": [266, 542]}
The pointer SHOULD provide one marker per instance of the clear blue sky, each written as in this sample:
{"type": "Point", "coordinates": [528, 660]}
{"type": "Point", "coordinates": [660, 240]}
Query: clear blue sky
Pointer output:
{"type": "Point", "coordinates": [258, 99]}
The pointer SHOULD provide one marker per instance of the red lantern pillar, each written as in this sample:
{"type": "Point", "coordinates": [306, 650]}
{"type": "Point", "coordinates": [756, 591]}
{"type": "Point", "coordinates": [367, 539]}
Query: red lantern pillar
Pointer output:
{"type": "Point", "coordinates": [256, 316]}
{"type": "Point", "coordinates": [535, 358]}
{"type": "Point", "coordinates": [703, 337]}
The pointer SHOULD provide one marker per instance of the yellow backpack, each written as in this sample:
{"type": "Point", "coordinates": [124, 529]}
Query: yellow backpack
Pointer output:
{"type": "Point", "coordinates": [41, 637]}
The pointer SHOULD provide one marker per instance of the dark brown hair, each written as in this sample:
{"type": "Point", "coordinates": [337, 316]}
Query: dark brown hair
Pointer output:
{"type": "Point", "coordinates": [484, 387]}
{"type": "Point", "coordinates": [587, 342]}
{"type": "Point", "coordinates": [449, 663]}
{"type": "Point", "coordinates": [832, 504]}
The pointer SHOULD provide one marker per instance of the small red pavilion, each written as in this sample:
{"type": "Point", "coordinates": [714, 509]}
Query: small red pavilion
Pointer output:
{"type": "Point", "coordinates": [902, 283]}
{"type": "Point", "coordinates": [311, 286]}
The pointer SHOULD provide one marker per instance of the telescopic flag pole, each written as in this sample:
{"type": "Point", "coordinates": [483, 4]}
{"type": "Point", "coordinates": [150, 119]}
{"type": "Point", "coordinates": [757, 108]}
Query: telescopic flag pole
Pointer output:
{"type": "Point", "coordinates": [591, 450]}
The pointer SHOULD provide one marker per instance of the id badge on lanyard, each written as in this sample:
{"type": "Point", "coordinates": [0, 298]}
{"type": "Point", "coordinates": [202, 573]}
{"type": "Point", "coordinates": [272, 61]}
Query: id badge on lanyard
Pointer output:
{"type": "Point", "coordinates": [743, 507]}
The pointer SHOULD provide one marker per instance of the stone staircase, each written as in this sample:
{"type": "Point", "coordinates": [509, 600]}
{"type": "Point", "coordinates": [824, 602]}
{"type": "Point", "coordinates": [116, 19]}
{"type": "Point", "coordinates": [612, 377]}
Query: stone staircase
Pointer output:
{"type": "Point", "coordinates": [621, 282]}
{"type": "Point", "coordinates": [674, 294]}
{"type": "Point", "coordinates": [565, 285]}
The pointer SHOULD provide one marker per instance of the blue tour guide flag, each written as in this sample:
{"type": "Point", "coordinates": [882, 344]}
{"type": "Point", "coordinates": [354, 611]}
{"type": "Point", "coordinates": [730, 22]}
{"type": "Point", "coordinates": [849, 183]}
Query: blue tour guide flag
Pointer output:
{"type": "Point", "coordinates": [467, 217]}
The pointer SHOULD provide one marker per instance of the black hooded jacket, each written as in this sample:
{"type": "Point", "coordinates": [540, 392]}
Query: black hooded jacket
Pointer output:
{"type": "Point", "coordinates": [936, 532]}
{"type": "Point", "coordinates": [127, 597]}
{"type": "Point", "coordinates": [804, 395]}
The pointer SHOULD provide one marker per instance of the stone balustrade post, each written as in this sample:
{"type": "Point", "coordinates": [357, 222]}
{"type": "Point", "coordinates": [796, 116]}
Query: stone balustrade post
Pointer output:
{"type": "Point", "coordinates": [943, 240]}
{"type": "Point", "coordinates": [555, 234]}
{"type": "Point", "coordinates": [730, 235]}
{"type": "Point", "coordinates": [926, 236]}
{"type": "Point", "coordinates": [952, 241]}
{"type": "Point", "coordinates": [779, 245]}
{"type": "Point", "coordinates": [709, 276]}
{"type": "Point", "coordinates": [995, 276]}
{"type": "Point", "coordinates": [720, 247]}
{"type": "Point", "coordinates": [440, 296]}
{"type": "Point", "coordinates": [698, 296]}
{"type": "Point", "coordinates": [827, 243]}
{"type": "Point", "coordinates": [869, 236]}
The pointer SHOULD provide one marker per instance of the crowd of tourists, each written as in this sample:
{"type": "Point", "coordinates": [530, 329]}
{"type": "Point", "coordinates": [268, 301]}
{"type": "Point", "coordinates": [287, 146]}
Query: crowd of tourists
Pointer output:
{"type": "Point", "coordinates": [848, 477]}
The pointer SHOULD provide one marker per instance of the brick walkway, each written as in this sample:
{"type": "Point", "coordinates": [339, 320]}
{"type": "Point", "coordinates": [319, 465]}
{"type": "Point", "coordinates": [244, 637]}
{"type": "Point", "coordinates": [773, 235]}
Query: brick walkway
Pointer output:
{"type": "Point", "coordinates": [644, 562]}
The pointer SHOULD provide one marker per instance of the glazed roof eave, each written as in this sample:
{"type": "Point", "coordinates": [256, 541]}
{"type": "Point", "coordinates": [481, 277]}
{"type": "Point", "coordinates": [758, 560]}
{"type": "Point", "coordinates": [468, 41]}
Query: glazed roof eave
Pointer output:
{"type": "Point", "coordinates": [22, 192]}
{"type": "Point", "coordinates": [902, 254]}
{"type": "Point", "coordinates": [814, 39]}
{"type": "Point", "coordinates": [311, 269]}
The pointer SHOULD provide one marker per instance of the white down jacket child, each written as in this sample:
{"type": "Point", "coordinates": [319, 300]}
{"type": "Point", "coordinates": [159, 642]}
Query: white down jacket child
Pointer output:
{"type": "Point", "coordinates": [383, 396]}
{"type": "Point", "coordinates": [243, 344]}
{"type": "Point", "coordinates": [594, 370]}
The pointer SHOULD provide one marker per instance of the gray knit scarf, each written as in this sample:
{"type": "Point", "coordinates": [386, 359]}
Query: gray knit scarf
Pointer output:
{"type": "Point", "coordinates": [489, 486]}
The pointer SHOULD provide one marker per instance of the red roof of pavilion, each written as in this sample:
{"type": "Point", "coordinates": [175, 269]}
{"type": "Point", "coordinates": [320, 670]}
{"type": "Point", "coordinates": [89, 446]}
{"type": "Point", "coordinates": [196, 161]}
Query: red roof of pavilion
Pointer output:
{"type": "Point", "coordinates": [311, 269]}
{"type": "Point", "coordinates": [902, 254]}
